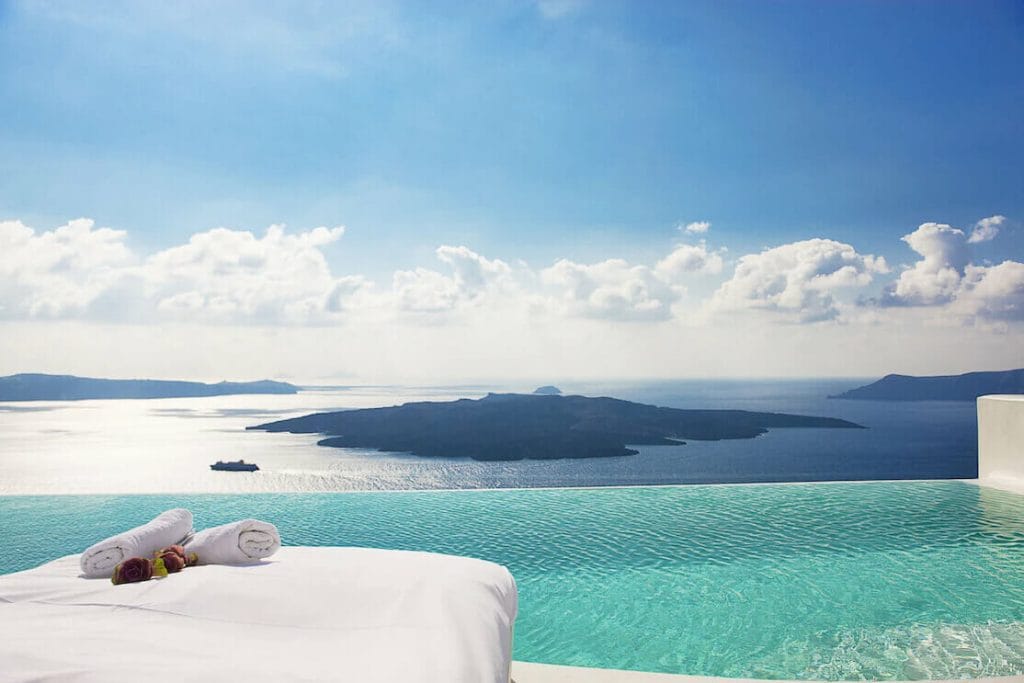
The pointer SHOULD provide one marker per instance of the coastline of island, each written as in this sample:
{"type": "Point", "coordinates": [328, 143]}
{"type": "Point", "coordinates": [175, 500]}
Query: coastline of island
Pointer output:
{"type": "Point", "coordinates": [966, 387]}
{"type": "Point", "coordinates": [43, 387]}
{"type": "Point", "coordinates": [500, 427]}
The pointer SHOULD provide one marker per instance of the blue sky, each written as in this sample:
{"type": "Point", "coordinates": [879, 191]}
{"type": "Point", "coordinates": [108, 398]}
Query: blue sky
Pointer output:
{"type": "Point", "coordinates": [533, 131]}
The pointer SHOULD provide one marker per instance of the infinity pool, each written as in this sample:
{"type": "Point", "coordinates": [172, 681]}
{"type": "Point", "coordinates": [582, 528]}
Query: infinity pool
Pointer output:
{"type": "Point", "coordinates": [906, 580]}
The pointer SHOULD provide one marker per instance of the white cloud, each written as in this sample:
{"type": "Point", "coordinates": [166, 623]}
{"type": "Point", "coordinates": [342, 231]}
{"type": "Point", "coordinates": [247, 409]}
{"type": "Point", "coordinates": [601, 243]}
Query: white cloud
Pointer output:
{"type": "Point", "coordinates": [424, 290]}
{"type": "Point", "coordinates": [986, 229]}
{"type": "Point", "coordinates": [992, 292]}
{"type": "Point", "coordinates": [610, 289]}
{"type": "Point", "coordinates": [686, 259]}
{"type": "Point", "coordinates": [944, 276]}
{"type": "Point", "coordinates": [58, 273]}
{"type": "Point", "coordinates": [346, 293]}
{"type": "Point", "coordinates": [232, 275]}
{"type": "Point", "coordinates": [798, 279]}
{"type": "Point", "coordinates": [934, 279]}
{"type": "Point", "coordinates": [220, 275]}
{"type": "Point", "coordinates": [617, 290]}
{"type": "Point", "coordinates": [473, 273]}
{"type": "Point", "coordinates": [238, 277]}
{"type": "Point", "coordinates": [696, 228]}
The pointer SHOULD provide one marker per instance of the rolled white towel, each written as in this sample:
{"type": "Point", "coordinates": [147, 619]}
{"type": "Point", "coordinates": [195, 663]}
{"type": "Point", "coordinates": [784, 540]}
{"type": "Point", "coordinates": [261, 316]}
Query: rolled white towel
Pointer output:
{"type": "Point", "coordinates": [243, 542]}
{"type": "Point", "coordinates": [168, 528]}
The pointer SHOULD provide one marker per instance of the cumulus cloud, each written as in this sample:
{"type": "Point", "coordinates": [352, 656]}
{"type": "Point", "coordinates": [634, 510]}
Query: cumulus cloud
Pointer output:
{"type": "Point", "coordinates": [229, 276]}
{"type": "Point", "coordinates": [986, 229]}
{"type": "Point", "coordinates": [346, 292]}
{"type": "Point", "coordinates": [945, 276]}
{"type": "Point", "coordinates": [472, 272]}
{"type": "Point", "coordinates": [696, 228]}
{"type": "Point", "coordinates": [220, 275]}
{"type": "Point", "coordinates": [610, 289]}
{"type": "Point", "coordinates": [425, 290]}
{"type": "Point", "coordinates": [798, 279]}
{"type": "Point", "coordinates": [617, 290]}
{"type": "Point", "coordinates": [686, 259]}
{"type": "Point", "coordinates": [58, 273]}
{"type": "Point", "coordinates": [993, 292]}
{"type": "Point", "coordinates": [935, 278]}
{"type": "Point", "coordinates": [234, 275]}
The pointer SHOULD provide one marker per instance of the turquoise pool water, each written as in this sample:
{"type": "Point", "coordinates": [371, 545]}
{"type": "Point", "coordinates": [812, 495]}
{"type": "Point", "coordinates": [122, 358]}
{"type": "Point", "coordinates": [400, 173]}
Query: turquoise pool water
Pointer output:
{"type": "Point", "coordinates": [822, 581]}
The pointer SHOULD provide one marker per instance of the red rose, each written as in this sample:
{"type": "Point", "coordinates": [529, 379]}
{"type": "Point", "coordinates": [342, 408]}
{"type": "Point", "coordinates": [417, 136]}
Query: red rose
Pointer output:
{"type": "Point", "coordinates": [177, 549]}
{"type": "Point", "coordinates": [132, 570]}
{"type": "Point", "coordinates": [173, 562]}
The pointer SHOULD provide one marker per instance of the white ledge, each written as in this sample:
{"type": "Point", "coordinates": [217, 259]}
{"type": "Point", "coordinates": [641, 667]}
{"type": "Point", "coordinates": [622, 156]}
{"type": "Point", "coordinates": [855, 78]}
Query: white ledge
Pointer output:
{"type": "Point", "coordinates": [529, 672]}
{"type": "Point", "coordinates": [1001, 441]}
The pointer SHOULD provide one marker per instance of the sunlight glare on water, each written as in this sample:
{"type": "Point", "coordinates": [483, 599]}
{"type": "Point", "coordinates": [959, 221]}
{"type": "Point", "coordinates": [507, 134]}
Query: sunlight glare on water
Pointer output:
{"type": "Point", "coordinates": [167, 445]}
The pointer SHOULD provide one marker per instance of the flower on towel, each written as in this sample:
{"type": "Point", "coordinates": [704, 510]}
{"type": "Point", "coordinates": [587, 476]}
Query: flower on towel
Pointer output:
{"type": "Point", "coordinates": [191, 559]}
{"type": "Point", "coordinates": [173, 549]}
{"type": "Point", "coordinates": [174, 558]}
{"type": "Point", "coordinates": [133, 570]}
{"type": "Point", "coordinates": [173, 562]}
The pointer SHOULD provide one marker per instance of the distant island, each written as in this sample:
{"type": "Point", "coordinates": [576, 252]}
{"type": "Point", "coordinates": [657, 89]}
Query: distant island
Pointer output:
{"type": "Point", "coordinates": [966, 387]}
{"type": "Point", "coordinates": [38, 387]}
{"type": "Point", "coordinates": [529, 426]}
{"type": "Point", "coordinates": [548, 390]}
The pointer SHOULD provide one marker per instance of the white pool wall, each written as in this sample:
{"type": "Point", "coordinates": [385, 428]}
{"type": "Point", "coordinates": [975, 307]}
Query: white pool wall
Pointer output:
{"type": "Point", "coordinates": [1001, 441]}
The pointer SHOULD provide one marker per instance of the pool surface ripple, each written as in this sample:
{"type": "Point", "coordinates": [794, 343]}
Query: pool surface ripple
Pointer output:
{"type": "Point", "coordinates": [907, 580]}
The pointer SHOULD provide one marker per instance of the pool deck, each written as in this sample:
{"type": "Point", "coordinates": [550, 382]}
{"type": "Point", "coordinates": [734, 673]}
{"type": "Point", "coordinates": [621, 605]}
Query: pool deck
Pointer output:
{"type": "Point", "coordinates": [528, 672]}
{"type": "Point", "coordinates": [1011, 484]}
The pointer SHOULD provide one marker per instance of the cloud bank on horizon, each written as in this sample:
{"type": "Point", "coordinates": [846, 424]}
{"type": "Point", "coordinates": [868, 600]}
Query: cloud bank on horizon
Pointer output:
{"type": "Point", "coordinates": [248, 285]}
{"type": "Point", "coordinates": [226, 276]}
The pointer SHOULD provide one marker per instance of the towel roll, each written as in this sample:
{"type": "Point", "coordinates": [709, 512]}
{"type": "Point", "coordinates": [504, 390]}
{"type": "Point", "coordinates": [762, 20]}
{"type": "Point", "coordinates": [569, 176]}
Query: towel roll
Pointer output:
{"type": "Point", "coordinates": [168, 528]}
{"type": "Point", "coordinates": [243, 542]}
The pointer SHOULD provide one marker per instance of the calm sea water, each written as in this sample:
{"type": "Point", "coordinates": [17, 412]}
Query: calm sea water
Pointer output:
{"type": "Point", "coordinates": [166, 445]}
{"type": "Point", "coordinates": [884, 580]}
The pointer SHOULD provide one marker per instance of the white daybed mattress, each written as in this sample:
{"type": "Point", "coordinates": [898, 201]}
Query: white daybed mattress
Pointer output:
{"type": "Point", "coordinates": [305, 614]}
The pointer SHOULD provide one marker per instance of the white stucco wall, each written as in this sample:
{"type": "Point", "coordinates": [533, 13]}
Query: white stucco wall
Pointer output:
{"type": "Point", "coordinates": [1001, 439]}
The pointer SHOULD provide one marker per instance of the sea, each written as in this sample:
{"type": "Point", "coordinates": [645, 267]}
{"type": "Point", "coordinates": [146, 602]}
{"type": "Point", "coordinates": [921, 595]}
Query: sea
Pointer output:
{"type": "Point", "coordinates": [167, 445]}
